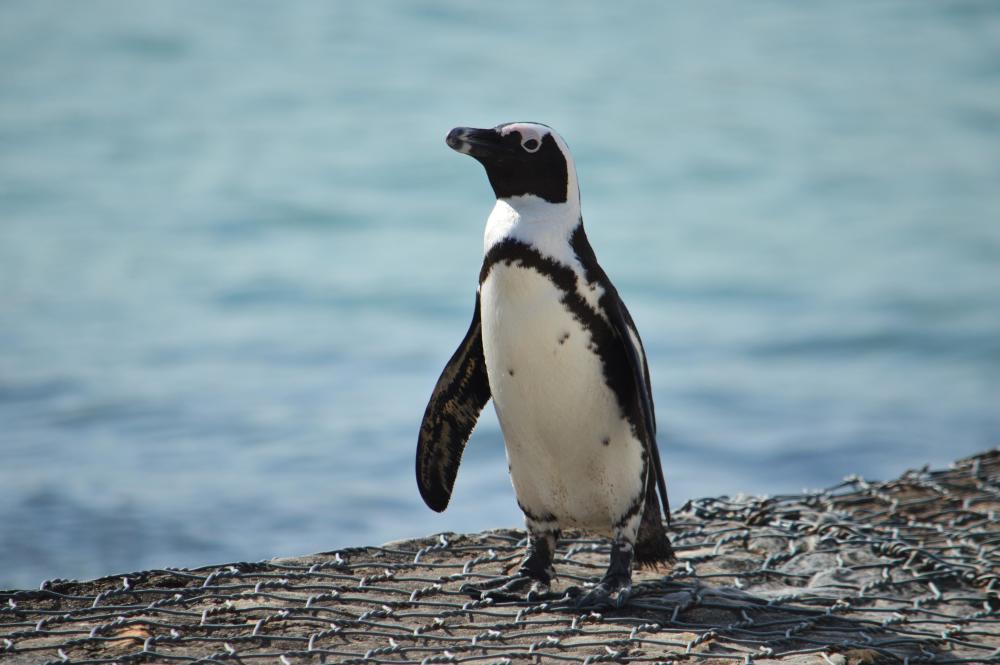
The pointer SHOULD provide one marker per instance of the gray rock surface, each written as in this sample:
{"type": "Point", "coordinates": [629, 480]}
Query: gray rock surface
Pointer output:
{"type": "Point", "coordinates": [902, 571]}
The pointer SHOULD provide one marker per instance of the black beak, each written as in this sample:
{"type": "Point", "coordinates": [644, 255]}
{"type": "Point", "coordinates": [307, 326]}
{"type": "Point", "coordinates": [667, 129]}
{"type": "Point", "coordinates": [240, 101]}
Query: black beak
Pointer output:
{"type": "Point", "coordinates": [479, 143]}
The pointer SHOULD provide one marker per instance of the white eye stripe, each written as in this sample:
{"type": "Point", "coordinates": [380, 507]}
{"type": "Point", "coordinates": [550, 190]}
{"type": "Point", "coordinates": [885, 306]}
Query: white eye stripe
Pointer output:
{"type": "Point", "coordinates": [529, 132]}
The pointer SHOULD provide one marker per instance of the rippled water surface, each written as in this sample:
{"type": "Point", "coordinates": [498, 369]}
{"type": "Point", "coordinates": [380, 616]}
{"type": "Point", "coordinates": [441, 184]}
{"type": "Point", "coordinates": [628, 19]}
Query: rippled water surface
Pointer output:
{"type": "Point", "coordinates": [235, 253]}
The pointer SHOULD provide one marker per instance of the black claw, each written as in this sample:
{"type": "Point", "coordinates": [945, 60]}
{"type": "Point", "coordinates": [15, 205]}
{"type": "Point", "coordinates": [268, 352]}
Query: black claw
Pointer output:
{"type": "Point", "coordinates": [624, 594]}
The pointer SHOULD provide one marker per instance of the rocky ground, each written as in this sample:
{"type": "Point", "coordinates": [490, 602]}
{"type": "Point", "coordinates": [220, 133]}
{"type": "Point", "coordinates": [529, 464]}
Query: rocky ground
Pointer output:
{"type": "Point", "coordinates": [901, 571]}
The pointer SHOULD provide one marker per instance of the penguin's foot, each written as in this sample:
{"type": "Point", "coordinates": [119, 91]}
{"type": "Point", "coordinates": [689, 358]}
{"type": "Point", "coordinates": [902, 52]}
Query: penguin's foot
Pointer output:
{"type": "Point", "coordinates": [618, 580]}
{"type": "Point", "coordinates": [509, 588]}
{"type": "Point", "coordinates": [532, 576]}
{"type": "Point", "coordinates": [601, 594]}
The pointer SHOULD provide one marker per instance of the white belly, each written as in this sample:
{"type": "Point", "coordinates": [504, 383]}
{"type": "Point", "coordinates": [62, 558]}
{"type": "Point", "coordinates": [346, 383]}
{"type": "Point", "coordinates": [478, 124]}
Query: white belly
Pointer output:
{"type": "Point", "coordinates": [571, 454]}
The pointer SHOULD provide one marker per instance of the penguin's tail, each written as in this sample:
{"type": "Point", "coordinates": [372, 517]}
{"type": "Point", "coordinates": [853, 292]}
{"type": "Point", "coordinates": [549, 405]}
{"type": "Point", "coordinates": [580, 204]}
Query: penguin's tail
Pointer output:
{"type": "Point", "coordinates": [652, 545]}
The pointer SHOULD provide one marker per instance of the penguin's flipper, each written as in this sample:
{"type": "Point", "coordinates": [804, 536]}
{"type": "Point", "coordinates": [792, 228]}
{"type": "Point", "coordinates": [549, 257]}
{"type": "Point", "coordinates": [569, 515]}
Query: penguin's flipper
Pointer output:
{"type": "Point", "coordinates": [625, 328]}
{"type": "Point", "coordinates": [458, 398]}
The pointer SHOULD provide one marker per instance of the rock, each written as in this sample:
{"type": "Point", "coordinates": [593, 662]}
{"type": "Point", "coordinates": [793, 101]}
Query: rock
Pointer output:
{"type": "Point", "coordinates": [860, 573]}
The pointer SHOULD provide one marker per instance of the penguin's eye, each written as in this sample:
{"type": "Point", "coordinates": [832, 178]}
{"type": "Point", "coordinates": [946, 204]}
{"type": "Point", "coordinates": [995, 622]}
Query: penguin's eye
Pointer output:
{"type": "Point", "coordinates": [531, 145]}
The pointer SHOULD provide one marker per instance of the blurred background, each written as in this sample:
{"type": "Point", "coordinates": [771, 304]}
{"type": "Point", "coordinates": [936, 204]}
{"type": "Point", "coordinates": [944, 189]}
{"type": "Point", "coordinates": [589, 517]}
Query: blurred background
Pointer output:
{"type": "Point", "coordinates": [235, 253]}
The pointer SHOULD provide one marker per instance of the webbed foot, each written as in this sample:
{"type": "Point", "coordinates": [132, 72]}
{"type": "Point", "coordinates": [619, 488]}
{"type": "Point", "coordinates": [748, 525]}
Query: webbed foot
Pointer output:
{"type": "Point", "coordinates": [618, 580]}
{"type": "Point", "coordinates": [603, 595]}
{"type": "Point", "coordinates": [532, 577]}
{"type": "Point", "coordinates": [507, 588]}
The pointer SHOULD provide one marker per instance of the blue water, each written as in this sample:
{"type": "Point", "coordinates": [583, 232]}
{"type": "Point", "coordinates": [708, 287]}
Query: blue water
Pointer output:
{"type": "Point", "coordinates": [235, 253]}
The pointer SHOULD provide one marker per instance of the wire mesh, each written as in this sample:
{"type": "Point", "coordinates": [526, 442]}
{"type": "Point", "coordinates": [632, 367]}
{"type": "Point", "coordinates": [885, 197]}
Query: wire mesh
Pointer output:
{"type": "Point", "coordinates": [863, 572]}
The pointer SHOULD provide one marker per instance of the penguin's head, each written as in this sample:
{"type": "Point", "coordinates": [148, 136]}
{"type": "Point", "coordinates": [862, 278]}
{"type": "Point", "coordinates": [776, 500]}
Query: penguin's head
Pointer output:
{"type": "Point", "coordinates": [521, 159]}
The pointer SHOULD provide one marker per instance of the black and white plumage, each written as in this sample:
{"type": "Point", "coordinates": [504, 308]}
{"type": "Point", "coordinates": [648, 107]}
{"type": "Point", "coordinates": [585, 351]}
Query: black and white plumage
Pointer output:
{"type": "Point", "coordinates": [554, 346]}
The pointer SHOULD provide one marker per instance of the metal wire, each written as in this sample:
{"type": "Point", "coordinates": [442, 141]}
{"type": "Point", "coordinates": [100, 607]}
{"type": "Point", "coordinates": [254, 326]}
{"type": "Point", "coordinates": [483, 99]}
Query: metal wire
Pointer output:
{"type": "Point", "coordinates": [903, 571]}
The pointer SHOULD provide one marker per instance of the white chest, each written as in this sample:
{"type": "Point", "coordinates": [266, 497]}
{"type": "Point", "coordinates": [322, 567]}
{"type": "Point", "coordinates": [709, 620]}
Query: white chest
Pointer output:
{"type": "Point", "coordinates": [571, 454]}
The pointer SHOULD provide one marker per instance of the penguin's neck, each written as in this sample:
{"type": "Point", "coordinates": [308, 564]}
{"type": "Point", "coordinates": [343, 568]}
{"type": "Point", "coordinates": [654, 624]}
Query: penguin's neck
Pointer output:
{"type": "Point", "coordinates": [534, 221]}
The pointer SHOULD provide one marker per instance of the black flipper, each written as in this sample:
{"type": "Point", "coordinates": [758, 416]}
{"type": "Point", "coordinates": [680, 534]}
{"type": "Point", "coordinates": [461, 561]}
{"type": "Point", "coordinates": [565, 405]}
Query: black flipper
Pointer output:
{"type": "Point", "coordinates": [625, 330]}
{"type": "Point", "coordinates": [458, 398]}
{"type": "Point", "coordinates": [640, 372]}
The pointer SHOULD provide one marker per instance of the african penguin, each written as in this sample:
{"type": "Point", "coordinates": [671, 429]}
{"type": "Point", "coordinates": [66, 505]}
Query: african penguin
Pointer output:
{"type": "Point", "coordinates": [554, 346]}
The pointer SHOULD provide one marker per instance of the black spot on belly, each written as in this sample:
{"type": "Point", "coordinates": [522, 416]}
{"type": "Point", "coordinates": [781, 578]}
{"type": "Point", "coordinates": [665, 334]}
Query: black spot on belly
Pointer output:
{"type": "Point", "coordinates": [511, 372]}
{"type": "Point", "coordinates": [563, 338]}
{"type": "Point", "coordinates": [606, 441]}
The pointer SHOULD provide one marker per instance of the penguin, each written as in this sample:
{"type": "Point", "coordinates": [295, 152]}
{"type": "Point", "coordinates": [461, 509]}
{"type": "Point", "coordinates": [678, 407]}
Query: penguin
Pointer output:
{"type": "Point", "coordinates": [553, 345]}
